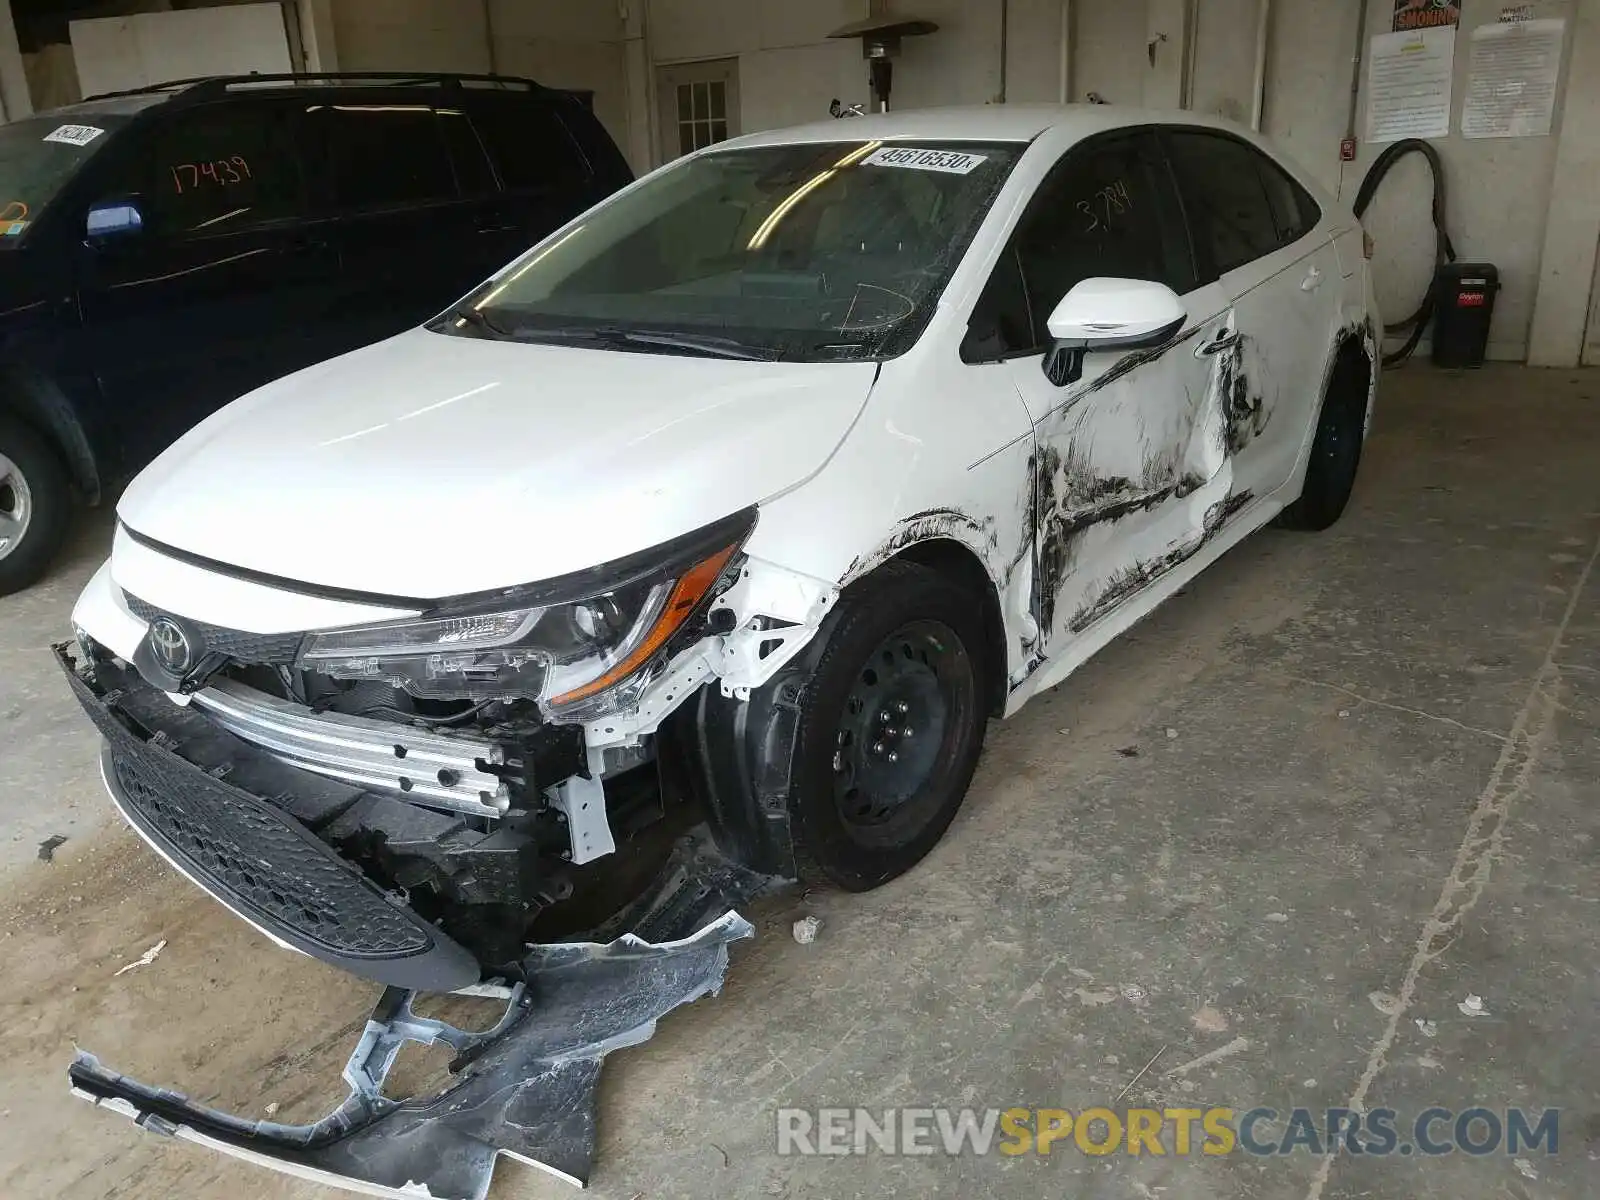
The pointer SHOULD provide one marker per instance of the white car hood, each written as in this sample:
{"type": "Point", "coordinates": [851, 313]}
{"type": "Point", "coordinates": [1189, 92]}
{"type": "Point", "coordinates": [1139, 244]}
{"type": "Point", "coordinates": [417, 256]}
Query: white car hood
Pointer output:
{"type": "Point", "coordinates": [430, 465]}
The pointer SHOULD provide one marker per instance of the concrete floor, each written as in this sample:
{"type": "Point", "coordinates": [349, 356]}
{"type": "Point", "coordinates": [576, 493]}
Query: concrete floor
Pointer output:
{"type": "Point", "coordinates": [1381, 797]}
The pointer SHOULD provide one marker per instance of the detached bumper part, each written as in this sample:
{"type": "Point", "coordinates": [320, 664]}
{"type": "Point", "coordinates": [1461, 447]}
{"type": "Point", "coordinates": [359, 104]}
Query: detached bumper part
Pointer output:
{"type": "Point", "coordinates": [526, 1088]}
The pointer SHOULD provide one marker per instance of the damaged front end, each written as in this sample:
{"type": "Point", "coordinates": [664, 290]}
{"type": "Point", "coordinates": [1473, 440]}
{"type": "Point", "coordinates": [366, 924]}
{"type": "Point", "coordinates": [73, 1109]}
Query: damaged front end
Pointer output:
{"type": "Point", "coordinates": [417, 803]}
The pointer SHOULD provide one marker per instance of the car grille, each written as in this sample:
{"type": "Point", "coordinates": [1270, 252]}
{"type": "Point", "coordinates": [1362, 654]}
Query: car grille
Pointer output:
{"type": "Point", "coordinates": [266, 649]}
{"type": "Point", "coordinates": [253, 857]}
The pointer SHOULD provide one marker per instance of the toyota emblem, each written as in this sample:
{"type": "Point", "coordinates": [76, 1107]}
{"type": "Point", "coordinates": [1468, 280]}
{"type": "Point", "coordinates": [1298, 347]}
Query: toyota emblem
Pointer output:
{"type": "Point", "coordinates": [171, 645]}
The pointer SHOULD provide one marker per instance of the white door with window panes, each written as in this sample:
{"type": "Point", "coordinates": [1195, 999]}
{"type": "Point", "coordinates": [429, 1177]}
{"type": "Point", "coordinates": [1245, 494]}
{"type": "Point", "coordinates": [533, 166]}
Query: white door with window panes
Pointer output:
{"type": "Point", "coordinates": [699, 105]}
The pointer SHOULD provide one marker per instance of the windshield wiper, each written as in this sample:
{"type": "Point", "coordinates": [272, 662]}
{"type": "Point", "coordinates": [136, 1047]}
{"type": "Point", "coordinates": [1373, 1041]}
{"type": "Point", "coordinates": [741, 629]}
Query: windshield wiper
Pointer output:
{"type": "Point", "coordinates": [709, 345]}
{"type": "Point", "coordinates": [481, 321]}
{"type": "Point", "coordinates": [719, 347]}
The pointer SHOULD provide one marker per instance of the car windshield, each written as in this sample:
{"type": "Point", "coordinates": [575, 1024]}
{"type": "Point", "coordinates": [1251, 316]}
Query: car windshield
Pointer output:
{"type": "Point", "coordinates": [37, 157]}
{"type": "Point", "coordinates": [814, 252]}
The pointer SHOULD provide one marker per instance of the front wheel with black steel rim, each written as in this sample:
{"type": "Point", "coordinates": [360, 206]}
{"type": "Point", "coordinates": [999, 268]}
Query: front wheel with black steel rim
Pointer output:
{"type": "Point", "coordinates": [892, 723]}
{"type": "Point", "coordinates": [35, 504]}
{"type": "Point", "coordinates": [1335, 451]}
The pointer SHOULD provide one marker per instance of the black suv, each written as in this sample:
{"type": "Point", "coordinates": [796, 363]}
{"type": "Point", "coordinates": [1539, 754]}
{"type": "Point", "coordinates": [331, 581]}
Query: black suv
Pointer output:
{"type": "Point", "coordinates": [167, 250]}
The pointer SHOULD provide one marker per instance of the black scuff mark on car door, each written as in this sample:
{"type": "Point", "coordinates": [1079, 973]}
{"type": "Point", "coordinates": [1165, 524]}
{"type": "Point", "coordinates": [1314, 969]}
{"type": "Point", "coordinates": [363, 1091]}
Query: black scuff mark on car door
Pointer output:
{"type": "Point", "coordinates": [1241, 415]}
{"type": "Point", "coordinates": [1071, 496]}
{"type": "Point", "coordinates": [1123, 584]}
{"type": "Point", "coordinates": [924, 526]}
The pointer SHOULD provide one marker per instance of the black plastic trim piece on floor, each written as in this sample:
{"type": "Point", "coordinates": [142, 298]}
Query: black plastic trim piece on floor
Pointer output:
{"type": "Point", "coordinates": [527, 1092]}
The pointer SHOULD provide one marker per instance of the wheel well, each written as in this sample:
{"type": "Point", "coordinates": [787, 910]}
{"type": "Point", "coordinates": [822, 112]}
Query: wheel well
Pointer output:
{"type": "Point", "coordinates": [1351, 357]}
{"type": "Point", "coordinates": [961, 566]}
{"type": "Point", "coordinates": [49, 415]}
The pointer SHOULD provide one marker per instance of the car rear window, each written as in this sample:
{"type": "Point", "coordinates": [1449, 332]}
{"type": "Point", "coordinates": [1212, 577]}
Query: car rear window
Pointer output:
{"type": "Point", "coordinates": [530, 146]}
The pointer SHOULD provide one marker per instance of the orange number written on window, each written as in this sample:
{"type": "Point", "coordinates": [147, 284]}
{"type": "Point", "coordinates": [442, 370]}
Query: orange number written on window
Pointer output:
{"type": "Point", "coordinates": [221, 172]}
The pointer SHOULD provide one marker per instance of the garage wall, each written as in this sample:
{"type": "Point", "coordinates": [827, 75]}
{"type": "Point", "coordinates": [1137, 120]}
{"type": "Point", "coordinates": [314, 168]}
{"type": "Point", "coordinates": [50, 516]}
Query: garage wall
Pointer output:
{"type": "Point", "coordinates": [566, 45]}
{"type": "Point", "coordinates": [1499, 188]}
{"type": "Point", "coordinates": [411, 35]}
{"type": "Point", "coordinates": [557, 42]}
{"type": "Point", "coordinates": [117, 53]}
{"type": "Point", "coordinates": [788, 69]}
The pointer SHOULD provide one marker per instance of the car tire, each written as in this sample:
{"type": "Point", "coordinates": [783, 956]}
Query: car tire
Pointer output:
{"type": "Point", "coordinates": [892, 722]}
{"type": "Point", "coordinates": [35, 505]}
{"type": "Point", "coordinates": [1335, 452]}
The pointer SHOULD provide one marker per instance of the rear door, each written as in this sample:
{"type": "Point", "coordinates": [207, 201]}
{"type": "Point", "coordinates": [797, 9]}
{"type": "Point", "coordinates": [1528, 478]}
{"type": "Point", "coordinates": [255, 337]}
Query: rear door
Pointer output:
{"type": "Point", "coordinates": [1256, 230]}
{"type": "Point", "coordinates": [1128, 466]}
{"type": "Point", "coordinates": [223, 289]}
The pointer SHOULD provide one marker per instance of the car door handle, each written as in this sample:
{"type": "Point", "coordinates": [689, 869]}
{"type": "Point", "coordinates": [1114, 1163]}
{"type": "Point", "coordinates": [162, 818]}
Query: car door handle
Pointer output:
{"type": "Point", "coordinates": [1221, 344]}
{"type": "Point", "coordinates": [1312, 281]}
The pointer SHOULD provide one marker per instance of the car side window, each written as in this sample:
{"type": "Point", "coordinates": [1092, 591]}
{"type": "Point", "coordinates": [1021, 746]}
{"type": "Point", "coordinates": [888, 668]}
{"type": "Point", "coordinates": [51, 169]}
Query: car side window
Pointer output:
{"type": "Point", "coordinates": [384, 155]}
{"type": "Point", "coordinates": [1293, 209]}
{"type": "Point", "coordinates": [1233, 217]}
{"type": "Point", "coordinates": [474, 175]}
{"type": "Point", "coordinates": [217, 169]}
{"type": "Point", "coordinates": [530, 147]}
{"type": "Point", "coordinates": [1108, 208]}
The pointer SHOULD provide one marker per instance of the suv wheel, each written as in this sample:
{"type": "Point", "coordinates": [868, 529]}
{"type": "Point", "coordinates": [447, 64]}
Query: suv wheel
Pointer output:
{"type": "Point", "coordinates": [892, 723]}
{"type": "Point", "coordinates": [35, 503]}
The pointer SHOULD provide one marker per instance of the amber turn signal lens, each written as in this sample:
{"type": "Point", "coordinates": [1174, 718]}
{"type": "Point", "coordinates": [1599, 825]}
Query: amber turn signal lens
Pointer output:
{"type": "Point", "coordinates": [687, 594]}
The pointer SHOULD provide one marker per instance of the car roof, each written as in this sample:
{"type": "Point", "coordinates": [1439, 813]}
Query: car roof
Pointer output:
{"type": "Point", "coordinates": [982, 123]}
{"type": "Point", "coordinates": [107, 106]}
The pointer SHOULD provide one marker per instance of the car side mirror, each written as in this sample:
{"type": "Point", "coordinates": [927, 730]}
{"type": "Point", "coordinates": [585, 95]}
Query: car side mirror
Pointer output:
{"type": "Point", "coordinates": [113, 219]}
{"type": "Point", "coordinates": [1109, 314]}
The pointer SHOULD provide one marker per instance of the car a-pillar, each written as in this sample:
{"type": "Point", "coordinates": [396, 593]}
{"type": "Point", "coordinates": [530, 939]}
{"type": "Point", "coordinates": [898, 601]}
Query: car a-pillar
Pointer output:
{"type": "Point", "coordinates": [851, 762]}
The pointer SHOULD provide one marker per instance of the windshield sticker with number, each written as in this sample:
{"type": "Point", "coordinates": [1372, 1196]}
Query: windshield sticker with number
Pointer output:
{"type": "Point", "coordinates": [74, 135]}
{"type": "Point", "coordinates": [952, 162]}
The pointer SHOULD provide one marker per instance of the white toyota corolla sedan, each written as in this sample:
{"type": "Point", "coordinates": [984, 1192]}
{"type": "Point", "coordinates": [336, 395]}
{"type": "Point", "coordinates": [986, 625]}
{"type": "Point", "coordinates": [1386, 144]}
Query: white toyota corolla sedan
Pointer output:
{"type": "Point", "coordinates": [697, 547]}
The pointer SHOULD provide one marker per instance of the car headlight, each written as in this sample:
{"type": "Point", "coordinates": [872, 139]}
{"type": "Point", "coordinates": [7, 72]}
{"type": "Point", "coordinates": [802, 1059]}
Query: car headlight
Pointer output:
{"type": "Point", "coordinates": [580, 647]}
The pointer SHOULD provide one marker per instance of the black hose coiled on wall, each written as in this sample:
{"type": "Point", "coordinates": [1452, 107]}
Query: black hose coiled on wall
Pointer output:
{"type": "Point", "coordinates": [1444, 249]}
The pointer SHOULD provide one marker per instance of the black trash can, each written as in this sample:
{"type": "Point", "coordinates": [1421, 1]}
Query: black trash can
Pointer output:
{"type": "Point", "coordinates": [1463, 307]}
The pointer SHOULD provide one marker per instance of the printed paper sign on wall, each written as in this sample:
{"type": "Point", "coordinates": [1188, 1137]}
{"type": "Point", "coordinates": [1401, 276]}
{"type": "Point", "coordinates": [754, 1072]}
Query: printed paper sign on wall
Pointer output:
{"type": "Point", "coordinates": [1408, 84]}
{"type": "Point", "coordinates": [1512, 89]}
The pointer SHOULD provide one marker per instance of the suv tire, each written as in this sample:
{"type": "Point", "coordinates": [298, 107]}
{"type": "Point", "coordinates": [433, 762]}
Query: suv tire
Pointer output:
{"type": "Point", "coordinates": [892, 722]}
{"type": "Point", "coordinates": [35, 505]}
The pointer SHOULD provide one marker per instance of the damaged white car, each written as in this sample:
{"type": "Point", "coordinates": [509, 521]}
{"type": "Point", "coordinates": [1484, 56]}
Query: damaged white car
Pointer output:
{"type": "Point", "coordinates": [692, 552]}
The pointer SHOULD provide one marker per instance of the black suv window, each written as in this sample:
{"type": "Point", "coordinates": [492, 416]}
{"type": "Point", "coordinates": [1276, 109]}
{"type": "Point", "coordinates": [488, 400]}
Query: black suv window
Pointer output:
{"type": "Point", "coordinates": [473, 172]}
{"type": "Point", "coordinates": [217, 169]}
{"type": "Point", "coordinates": [385, 155]}
{"type": "Point", "coordinates": [530, 146]}
{"type": "Point", "coordinates": [1108, 208]}
{"type": "Point", "coordinates": [1241, 206]}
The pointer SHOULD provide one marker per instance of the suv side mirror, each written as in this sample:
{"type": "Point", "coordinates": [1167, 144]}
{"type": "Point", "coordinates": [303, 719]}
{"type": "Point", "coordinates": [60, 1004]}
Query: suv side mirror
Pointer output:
{"type": "Point", "coordinates": [1109, 314]}
{"type": "Point", "coordinates": [110, 219]}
